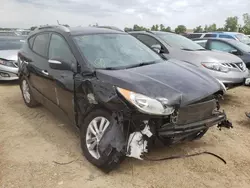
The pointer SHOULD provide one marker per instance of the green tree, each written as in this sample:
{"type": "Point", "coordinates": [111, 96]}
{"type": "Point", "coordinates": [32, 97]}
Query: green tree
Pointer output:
{"type": "Point", "coordinates": [180, 29]}
{"type": "Point", "coordinates": [139, 28]}
{"type": "Point", "coordinates": [231, 23]}
{"type": "Point", "coordinates": [220, 29]}
{"type": "Point", "coordinates": [156, 27]}
{"type": "Point", "coordinates": [211, 28]}
{"type": "Point", "coordinates": [198, 29]}
{"type": "Point", "coordinates": [205, 28]}
{"type": "Point", "coordinates": [168, 29]}
{"type": "Point", "coordinates": [162, 27]}
{"type": "Point", "coordinates": [127, 29]}
{"type": "Point", "coordinates": [153, 28]}
{"type": "Point", "coordinates": [246, 28]}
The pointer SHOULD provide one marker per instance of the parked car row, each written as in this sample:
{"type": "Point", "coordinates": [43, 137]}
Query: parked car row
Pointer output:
{"type": "Point", "coordinates": [223, 35]}
{"type": "Point", "coordinates": [227, 68]}
{"type": "Point", "coordinates": [121, 94]}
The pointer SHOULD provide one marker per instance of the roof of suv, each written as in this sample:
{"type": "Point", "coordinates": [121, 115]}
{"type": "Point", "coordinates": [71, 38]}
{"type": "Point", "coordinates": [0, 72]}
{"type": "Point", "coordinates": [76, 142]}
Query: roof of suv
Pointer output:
{"type": "Point", "coordinates": [152, 32]}
{"type": "Point", "coordinates": [78, 30]}
{"type": "Point", "coordinates": [211, 38]}
{"type": "Point", "coordinates": [92, 30]}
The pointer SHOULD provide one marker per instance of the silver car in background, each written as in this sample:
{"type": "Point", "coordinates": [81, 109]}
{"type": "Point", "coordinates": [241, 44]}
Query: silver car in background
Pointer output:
{"type": "Point", "coordinates": [9, 46]}
{"type": "Point", "coordinates": [227, 68]}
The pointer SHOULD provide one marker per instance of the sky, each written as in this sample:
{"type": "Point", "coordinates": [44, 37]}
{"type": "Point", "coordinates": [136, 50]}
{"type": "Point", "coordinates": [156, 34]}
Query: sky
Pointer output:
{"type": "Point", "coordinates": [120, 13]}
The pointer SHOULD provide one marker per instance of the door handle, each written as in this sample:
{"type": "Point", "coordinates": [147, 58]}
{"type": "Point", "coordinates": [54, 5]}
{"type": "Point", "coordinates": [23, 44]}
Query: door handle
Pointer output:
{"type": "Point", "coordinates": [45, 72]}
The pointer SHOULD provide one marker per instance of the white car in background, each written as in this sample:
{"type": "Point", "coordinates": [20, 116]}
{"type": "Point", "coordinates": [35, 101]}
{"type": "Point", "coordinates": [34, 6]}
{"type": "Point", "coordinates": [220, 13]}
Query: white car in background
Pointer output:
{"type": "Point", "coordinates": [9, 46]}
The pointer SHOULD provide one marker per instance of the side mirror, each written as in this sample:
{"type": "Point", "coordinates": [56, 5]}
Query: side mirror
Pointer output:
{"type": "Point", "coordinates": [235, 52]}
{"type": "Point", "coordinates": [156, 48]}
{"type": "Point", "coordinates": [59, 65]}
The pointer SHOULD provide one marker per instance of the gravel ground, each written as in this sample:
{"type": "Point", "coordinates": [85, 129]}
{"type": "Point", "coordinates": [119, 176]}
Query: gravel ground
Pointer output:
{"type": "Point", "coordinates": [32, 139]}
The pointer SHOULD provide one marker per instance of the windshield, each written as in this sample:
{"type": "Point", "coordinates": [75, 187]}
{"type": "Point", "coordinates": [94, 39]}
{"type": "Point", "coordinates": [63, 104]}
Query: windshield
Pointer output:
{"type": "Point", "coordinates": [179, 41]}
{"type": "Point", "coordinates": [243, 38]}
{"type": "Point", "coordinates": [11, 44]}
{"type": "Point", "coordinates": [115, 51]}
{"type": "Point", "coordinates": [240, 45]}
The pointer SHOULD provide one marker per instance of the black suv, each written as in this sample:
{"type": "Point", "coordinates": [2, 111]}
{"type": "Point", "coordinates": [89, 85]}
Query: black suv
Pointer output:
{"type": "Point", "coordinates": [117, 91]}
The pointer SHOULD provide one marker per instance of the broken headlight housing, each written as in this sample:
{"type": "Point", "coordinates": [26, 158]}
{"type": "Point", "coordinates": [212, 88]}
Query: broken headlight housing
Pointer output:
{"type": "Point", "coordinates": [216, 66]}
{"type": "Point", "coordinates": [146, 104]}
{"type": "Point", "coordinates": [6, 63]}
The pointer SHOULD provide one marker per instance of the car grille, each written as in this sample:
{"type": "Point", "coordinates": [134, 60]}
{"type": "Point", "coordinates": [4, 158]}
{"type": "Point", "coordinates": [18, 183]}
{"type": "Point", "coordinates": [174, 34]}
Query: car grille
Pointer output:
{"type": "Point", "coordinates": [196, 112]}
{"type": "Point", "coordinates": [240, 66]}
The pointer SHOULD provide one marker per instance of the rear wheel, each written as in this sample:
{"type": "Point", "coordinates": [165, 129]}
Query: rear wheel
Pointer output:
{"type": "Point", "coordinates": [27, 94]}
{"type": "Point", "coordinates": [92, 130]}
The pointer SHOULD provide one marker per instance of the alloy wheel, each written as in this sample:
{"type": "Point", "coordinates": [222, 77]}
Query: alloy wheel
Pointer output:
{"type": "Point", "coordinates": [95, 131]}
{"type": "Point", "coordinates": [26, 91]}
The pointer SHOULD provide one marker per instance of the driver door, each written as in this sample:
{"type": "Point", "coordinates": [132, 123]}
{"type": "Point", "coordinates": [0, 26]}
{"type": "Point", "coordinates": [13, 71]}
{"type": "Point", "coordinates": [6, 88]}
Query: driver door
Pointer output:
{"type": "Point", "coordinates": [63, 79]}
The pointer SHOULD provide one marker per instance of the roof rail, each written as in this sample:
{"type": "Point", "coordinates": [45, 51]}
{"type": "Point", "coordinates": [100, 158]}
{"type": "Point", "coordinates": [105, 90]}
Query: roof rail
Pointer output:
{"type": "Point", "coordinates": [110, 27]}
{"type": "Point", "coordinates": [62, 27]}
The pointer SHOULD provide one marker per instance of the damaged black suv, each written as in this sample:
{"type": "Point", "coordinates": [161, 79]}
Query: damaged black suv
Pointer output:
{"type": "Point", "coordinates": [117, 91]}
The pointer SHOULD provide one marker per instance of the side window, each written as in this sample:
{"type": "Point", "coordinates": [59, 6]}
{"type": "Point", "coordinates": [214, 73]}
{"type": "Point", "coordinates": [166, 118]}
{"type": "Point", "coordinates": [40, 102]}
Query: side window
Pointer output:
{"type": "Point", "coordinates": [31, 41]}
{"type": "Point", "coordinates": [194, 35]}
{"type": "Point", "coordinates": [210, 35]}
{"type": "Point", "coordinates": [59, 48]}
{"type": "Point", "coordinates": [221, 46]}
{"type": "Point", "coordinates": [202, 43]}
{"type": "Point", "coordinates": [226, 36]}
{"type": "Point", "coordinates": [148, 40]}
{"type": "Point", "coordinates": [40, 45]}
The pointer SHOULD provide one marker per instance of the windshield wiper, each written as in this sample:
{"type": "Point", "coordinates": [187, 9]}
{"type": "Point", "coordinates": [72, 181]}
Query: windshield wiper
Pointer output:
{"type": "Point", "coordinates": [128, 67]}
{"type": "Point", "coordinates": [201, 49]}
{"type": "Point", "coordinates": [187, 49]}
{"type": "Point", "coordinates": [141, 64]}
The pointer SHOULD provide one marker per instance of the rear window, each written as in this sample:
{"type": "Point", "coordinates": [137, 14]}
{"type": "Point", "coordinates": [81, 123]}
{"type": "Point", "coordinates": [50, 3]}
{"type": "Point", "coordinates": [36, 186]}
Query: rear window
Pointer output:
{"type": "Point", "coordinates": [210, 35]}
{"type": "Point", "coordinates": [40, 45]}
{"type": "Point", "coordinates": [194, 35]}
{"type": "Point", "coordinates": [226, 36]}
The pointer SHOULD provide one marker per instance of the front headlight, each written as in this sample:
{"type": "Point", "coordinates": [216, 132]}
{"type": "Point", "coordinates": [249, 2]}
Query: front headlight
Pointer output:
{"type": "Point", "coordinates": [146, 104]}
{"type": "Point", "coordinates": [6, 63]}
{"type": "Point", "coordinates": [216, 66]}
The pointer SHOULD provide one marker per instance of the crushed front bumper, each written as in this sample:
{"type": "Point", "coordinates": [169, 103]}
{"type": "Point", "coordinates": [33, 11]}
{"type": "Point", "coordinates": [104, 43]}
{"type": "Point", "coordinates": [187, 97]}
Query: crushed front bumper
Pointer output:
{"type": "Point", "coordinates": [172, 130]}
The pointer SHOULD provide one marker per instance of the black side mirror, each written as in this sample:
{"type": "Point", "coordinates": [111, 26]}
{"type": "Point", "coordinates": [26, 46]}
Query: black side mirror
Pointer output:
{"type": "Point", "coordinates": [59, 64]}
{"type": "Point", "coordinates": [235, 52]}
{"type": "Point", "coordinates": [156, 48]}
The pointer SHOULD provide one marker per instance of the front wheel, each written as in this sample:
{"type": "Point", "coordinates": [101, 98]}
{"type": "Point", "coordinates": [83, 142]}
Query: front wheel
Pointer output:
{"type": "Point", "coordinates": [92, 130]}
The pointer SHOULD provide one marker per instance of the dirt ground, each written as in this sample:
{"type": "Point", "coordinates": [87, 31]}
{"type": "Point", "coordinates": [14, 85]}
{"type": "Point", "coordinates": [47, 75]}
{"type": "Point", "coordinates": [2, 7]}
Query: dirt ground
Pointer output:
{"type": "Point", "coordinates": [32, 139]}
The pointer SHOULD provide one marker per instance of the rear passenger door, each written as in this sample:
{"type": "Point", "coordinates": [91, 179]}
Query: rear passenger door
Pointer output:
{"type": "Point", "coordinates": [63, 79]}
{"type": "Point", "coordinates": [39, 76]}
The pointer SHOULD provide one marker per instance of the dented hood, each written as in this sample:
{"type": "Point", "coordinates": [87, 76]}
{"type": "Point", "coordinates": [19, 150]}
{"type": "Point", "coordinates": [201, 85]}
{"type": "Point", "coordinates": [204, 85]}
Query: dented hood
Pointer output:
{"type": "Point", "coordinates": [179, 82]}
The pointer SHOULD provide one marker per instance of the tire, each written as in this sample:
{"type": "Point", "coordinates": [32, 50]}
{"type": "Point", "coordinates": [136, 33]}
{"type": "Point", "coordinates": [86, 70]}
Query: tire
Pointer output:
{"type": "Point", "coordinates": [108, 160]}
{"type": "Point", "coordinates": [28, 97]}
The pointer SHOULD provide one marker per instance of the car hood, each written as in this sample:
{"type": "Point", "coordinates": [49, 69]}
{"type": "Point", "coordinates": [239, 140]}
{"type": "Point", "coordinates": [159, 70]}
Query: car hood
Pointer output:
{"type": "Point", "coordinates": [9, 54]}
{"type": "Point", "coordinates": [179, 82]}
{"type": "Point", "coordinates": [219, 56]}
{"type": "Point", "coordinates": [197, 57]}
